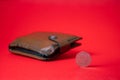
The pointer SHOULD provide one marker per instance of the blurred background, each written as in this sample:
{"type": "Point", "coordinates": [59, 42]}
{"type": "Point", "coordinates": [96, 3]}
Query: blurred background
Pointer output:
{"type": "Point", "coordinates": [97, 21]}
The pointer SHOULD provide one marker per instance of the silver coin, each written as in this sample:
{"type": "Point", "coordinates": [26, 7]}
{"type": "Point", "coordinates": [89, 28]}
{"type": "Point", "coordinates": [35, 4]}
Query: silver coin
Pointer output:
{"type": "Point", "coordinates": [83, 59]}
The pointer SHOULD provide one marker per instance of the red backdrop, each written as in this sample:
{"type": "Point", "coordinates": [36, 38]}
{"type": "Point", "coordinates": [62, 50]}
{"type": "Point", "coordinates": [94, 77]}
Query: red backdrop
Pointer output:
{"type": "Point", "coordinates": [98, 22]}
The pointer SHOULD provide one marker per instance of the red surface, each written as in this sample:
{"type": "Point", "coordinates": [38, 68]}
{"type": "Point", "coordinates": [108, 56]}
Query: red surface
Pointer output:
{"type": "Point", "coordinates": [98, 22]}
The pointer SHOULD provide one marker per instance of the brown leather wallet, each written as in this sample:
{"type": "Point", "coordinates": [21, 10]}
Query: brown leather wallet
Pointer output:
{"type": "Point", "coordinates": [43, 45]}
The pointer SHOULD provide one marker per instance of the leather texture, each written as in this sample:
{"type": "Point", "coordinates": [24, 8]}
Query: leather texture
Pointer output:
{"type": "Point", "coordinates": [39, 45]}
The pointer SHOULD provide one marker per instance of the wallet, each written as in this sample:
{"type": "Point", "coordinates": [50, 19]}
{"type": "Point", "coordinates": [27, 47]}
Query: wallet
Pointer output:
{"type": "Point", "coordinates": [43, 45]}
